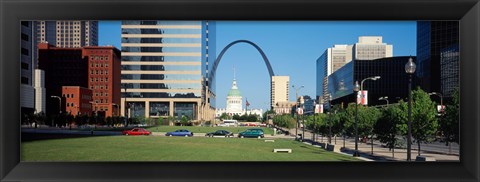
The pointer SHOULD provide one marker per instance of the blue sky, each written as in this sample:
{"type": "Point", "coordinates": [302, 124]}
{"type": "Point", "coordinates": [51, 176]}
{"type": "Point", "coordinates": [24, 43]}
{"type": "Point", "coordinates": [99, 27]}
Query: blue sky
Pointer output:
{"type": "Point", "coordinates": [291, 46]}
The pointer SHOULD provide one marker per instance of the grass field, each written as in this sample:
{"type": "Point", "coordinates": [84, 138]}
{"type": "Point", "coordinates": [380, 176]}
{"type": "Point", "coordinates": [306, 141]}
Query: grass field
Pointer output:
{"type": "Point", "coordinates": [151, 148]}
{"type": "Point", "coordinates": [200, 129]}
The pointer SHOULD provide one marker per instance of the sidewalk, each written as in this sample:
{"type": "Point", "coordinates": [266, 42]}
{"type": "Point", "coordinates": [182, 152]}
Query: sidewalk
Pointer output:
{"type": "Point", "coordinates": [380, 153]}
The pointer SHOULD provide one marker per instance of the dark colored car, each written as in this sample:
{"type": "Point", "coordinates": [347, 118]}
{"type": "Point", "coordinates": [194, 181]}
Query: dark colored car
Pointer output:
{"type": "Point", "coordinates": [184, 133]}
{"type": "Point", "coordinates": [136, 131]}
{"type": "Point", "coordinates": [252, 133]}
{"type": "Point", "coordinates": [222, 133]}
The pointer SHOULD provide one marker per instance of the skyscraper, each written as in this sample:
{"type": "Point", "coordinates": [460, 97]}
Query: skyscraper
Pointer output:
{"type": "Point", "coordinates": [330, 61]}
{"type": "Point", "coordinates": [279, 89]}
{"type": "Point", "coordinates": [67, 34]}
{"type": "Point", "coordinates": [435, 38]}
{"type": "Point", "coordinates": [334, 58]}
{"type": "Point", "coordinates": [370, 48]}
{"type": "Point", "coordinates": [165, 69]}
{"type": "Point", "coordinates": [27, 69]}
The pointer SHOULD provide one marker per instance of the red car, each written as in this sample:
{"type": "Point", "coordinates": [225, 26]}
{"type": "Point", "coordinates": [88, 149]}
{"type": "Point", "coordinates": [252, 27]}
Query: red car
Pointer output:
{"type": "Point", "coordinates": [136, 131]}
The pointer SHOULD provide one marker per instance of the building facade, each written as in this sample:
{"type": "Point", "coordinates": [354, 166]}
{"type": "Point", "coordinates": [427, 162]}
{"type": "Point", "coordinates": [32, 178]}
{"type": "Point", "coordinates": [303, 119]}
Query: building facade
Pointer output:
{"type": "Point", "coordinates": [234, 100]}
{"type": "Point", "coordinates": [67, 34]}
{"type": "Point", "coordinates": [279, 89]}
{"type": "Point", "coordinates": [334, 58]}
{"type": "Point", "coordinates": [77, 100]}
{"type": "Point", "coordinates": [449, 70]}
{"type": "Point", "coordinates": [433, 38]}
{"type": "Point", "coordinates": [27, 93]}
{"type": "Point", "coordinates": [392, 84]}
{"type": "Point", "coordinates": [330, 61]}
{"type": "Point", "coordinates": [370, 48]}
{"type": "Point", "coordinates": [96, 68]}
{"type": "Point", "coordinates": [165, 69]}
{"type": "Point", "coordinates": [104, 78]}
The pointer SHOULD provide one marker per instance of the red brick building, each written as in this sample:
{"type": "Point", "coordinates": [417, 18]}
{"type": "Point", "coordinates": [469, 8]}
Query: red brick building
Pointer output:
{"type": "Point", "coordinates": [96, 68]}
{"type": "Point", "coordinates": [104, 78]}
{"type": "Point", "coordinates": [77, 100]}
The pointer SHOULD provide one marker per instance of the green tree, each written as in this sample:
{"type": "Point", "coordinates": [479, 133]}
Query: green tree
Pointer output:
{"type": "Point", "coordinates": [285, 121]}
{"type": "Point", "coordinates": [392, 122]}
{"type": "Point", "coordinates": [184, 120]}
{"type": "Point", "coordinates": [450, 123]}
{"type": "Point", "coordinates": [266, 114]}
{"type": "Point", "coordinates": [424, 121]}
{"type": "Point", "coordinates": [224, 116]}
{"type": "Point", "coordinates": [252, 118]}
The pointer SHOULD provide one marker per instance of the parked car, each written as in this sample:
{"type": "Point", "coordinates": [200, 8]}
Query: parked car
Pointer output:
{"type": "Point", "coordinates": [136, 131]}
{"type": "Point", "coordinates": [222, 133]}
{"type": "Point", "coordinates": [255, 133]}
{"type": "Point", "coordinates": [185, 133]}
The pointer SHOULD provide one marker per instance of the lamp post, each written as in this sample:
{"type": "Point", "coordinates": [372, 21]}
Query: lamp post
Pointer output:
{"type": "Point", "coordinates": [410, 70]}
{"type": "Point", "coordinates": [356, 89]}
{"type": "Point", "coordinates": [384, 98]}
{"type": "Point", "coordinates": [361, 88]}
{"type": "Point", "coordinates": [59, 106]}
{"type": "Point", "coordinates": [125, 105]}
{"type": "Point", "coordinates": [329, 121]}
{"type": "Point", "coordinates": [303, 119]}
{"type": "Point", "coordinates": [296, 107]}
{"type": "Point", "coordinates": [441, 113]}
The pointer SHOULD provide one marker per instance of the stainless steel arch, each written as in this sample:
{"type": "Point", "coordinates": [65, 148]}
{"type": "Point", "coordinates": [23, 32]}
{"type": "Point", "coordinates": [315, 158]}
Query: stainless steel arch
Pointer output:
{"type": "Point", "coordinates": [217, 61]}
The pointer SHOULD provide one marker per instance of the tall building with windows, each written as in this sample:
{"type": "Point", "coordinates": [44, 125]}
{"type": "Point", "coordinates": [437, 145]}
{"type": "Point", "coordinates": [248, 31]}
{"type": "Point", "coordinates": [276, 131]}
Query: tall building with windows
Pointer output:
{"type": "Point", "coordinates": [27, 68]}
{"type": "Point", "coordinates": [165, 69]}
{"type": "Point", "coordinates": [96, 68]}
{"type": "Point", "coordinates": [279, 89]}
{"type": "Point", "coordinates": [67, 34]}
{"type": "Point", "coordinates": [437, 40]}
{"type": "Point", "coordinates": [334, 58]}
{"type": "Point", "coordinates": [370, 48]}
{"type": "Point", "coordinates": [330, 61]}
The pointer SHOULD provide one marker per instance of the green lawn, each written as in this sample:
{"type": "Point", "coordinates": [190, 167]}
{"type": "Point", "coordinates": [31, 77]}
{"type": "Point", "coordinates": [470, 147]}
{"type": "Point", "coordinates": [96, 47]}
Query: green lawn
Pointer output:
{"type": "Point", "coordinates": [154, 148]}
{"type": "Point", "coordinates": [200, 129]}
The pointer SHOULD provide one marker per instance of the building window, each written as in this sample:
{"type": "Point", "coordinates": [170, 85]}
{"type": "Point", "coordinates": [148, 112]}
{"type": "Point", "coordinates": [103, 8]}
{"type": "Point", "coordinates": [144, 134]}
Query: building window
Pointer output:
{"type": "Point", "coordinates": [25, 51]}
{"type": "Point", "coordinates": [24, 80]}
{"type": "Point", "coordinates": [25, 66]}
{"type": "Point", "coordinates": [24, 37]}
{"type": "Point", "coordinates": [106, 65]}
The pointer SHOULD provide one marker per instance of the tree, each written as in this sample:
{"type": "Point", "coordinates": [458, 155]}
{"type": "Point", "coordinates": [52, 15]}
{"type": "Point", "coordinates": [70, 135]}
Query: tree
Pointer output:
{"type": "Point", "coordinates": [392, 122]}
{"type": "Point", "coordinates": [424, 122]}
{"type": "Point", "coordinates": [285, 121]}
{"type": "Point", "coordinates": [266, 114]}
{"type": "Point", "coordinates": [450, 123]}
{"type": "Point", "coordinates": [224, 116]}
{"type": "Point", "coordinates": [252, 118]}
{"type": "Point", "coordinates": [184, 120]}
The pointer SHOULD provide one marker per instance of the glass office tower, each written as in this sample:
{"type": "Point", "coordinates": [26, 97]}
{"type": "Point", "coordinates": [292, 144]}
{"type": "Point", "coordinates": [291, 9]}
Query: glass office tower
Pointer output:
{"type": "Point", "coordinates": [165, 67]}
{"type": "Point", "coordinates": [433, 38]}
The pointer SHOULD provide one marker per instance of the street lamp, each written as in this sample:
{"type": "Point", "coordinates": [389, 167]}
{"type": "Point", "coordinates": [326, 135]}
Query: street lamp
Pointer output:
{"type": "Point", "coordinates": [384, 98]}
{"type": "Point", "coordinates": [330, 122]}
{"type": "Point", "coordinates": [59, 103]}
{"type": "Point", "coordinates": [441, 111]}
{"type": "Point", "coordinates": [361, 88]}
{"type": "Point", "coordinates": [296, 108]}
{"type": "Point", "coordinates": [410, 70]}
{"type": "Point", "coordinates": [356, 89]}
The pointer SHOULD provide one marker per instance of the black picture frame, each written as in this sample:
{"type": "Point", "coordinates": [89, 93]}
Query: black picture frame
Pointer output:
{"type": "Point", "coordinates": [13, 11]}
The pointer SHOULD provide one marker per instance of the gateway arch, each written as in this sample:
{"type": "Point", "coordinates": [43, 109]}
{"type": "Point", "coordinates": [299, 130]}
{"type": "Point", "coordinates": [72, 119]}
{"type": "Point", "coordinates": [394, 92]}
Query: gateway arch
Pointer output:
{"type": "Point", "coordinates": [219, 58]}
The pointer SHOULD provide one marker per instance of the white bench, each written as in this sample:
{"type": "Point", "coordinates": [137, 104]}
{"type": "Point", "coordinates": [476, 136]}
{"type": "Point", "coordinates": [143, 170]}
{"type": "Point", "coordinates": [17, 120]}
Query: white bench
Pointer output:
{"type": "Point", "coordinates": [282, 150]}
{"type": "Point", "coordinates": [269, 140]}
